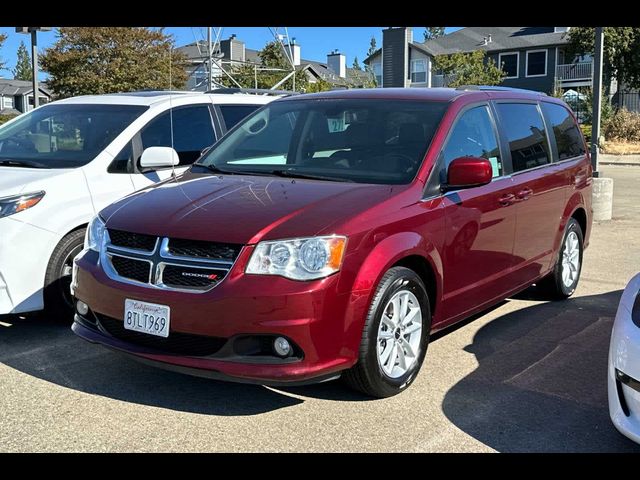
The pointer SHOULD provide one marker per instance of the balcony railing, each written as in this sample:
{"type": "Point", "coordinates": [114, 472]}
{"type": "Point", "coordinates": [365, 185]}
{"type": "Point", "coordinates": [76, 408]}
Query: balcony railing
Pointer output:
{"type": "Point", "coordinates": [575, 71]}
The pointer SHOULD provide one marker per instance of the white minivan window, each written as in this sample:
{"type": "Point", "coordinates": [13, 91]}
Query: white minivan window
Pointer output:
{"type": "Point", "coordinates": [63, 135]}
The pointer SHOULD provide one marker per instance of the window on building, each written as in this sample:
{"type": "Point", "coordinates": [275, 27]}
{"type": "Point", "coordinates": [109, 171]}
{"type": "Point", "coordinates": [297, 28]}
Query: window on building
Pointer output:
{"type": "Point", "coordinates": [536, 63]}
{"type": "Point", "coordinates": [568, 138]}
{"type": "Point", "coordinates": [192, 132]}
{"type": "Point", "coordinates": [377, 72]}
{"type": "Point", "coordinates": [509, 64]}
{"type": "Point", "coordinates": [526, 135]}
{"type": "Point", "coordinates": [473, 136]}
{"type": "Point", "coordinates": [418, 71]}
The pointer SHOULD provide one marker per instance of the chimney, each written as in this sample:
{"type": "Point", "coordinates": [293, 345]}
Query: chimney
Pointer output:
{"type": "Point", "coordinates": [232, 49]}
{"type": "Point", "coordinates": [395, 56]}
{"type": "Point", "coordinates": [295, 50]}
{"type": "Point", "coordinates": [337, 62]}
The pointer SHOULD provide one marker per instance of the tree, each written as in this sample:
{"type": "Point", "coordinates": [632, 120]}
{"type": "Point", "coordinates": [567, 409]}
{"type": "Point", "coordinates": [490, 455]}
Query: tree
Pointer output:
{"type": "Point", "coordinates": [621, 54]}
{"type": "Point", "coordinates": [272, 57]}
{"type": "Point", "coordinates": [356, 64]}
{"type": "Point", "coordinates": [468, 69]}
{"type": "Point", "coordinates": [432, 32]}
{"type": "Point", "coordinates": [96, 60]}
{"type": "Point", "coordinates": [372, 47]}
{"type": "Point", "coordinates": [3, 37]}
{"type": "Point", "coordinates": [22, 70]}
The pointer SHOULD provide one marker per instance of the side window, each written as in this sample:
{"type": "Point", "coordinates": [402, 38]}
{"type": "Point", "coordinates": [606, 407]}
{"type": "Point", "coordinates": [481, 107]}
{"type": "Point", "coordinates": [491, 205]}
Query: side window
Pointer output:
{"type": "Point", "coordinates": [568, 136]}
{"type": "Point", "coordinates": [232, 114]}
{"type": "Point", "coordinates": [122, 163]}
{"type": "Point", "coordinates": [192, 132]}
{"type": "Point", "coordinates": [473, 136]}
{"type": "Point", "coordinates": [524, 130]}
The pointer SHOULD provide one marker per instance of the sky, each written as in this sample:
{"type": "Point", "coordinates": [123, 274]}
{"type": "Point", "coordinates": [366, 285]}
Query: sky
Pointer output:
{"type": "Point", "coordinates": [315, 42]}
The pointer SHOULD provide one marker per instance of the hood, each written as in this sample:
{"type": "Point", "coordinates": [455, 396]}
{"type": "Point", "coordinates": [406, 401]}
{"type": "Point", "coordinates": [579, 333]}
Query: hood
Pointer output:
{"type": "Point", "coordinates": [241, 209]}
{"type": "Point", "coordinates": [16, 180]}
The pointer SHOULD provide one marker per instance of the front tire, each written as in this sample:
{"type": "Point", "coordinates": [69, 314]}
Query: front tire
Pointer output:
{"type": "Point", "coordinates": [57, 294]}
{"type": "Point", "coordinates": [562, 282]}
{"type": "Point", "coordinates": [395, 336]}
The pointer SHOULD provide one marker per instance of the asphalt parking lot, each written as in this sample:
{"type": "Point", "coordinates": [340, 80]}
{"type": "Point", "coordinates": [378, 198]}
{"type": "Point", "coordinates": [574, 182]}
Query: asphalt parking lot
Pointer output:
{"type": "Point", "coordinates": [528, 376]}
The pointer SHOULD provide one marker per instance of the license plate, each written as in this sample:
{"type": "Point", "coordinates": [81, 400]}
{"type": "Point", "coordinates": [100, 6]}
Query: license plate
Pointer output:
{"type": "Point", "coordinates": [144, 317]}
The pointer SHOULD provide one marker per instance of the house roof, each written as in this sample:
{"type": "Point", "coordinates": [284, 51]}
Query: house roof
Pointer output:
{"type": "Point", "coordinates": [502, 38]}
{"type": "Point", "coordinates": [469, 39]}
{"type": "Point", "coordinates": [11, 87]}
{"type": "Point", "coordinates": [319, 69]}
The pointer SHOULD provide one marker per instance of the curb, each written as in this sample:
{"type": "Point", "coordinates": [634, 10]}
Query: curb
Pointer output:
{"type": "Point", "coordinates": [624, 164]}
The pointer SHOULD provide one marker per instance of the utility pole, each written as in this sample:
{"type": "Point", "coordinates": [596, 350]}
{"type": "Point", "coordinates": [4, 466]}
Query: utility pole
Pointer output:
{"type": "Point", "coordinates": [34, 58]}
{"type": "Point", "coordinates": [597, 99]}
{"type": "Point", "coordinates": [210, 59]}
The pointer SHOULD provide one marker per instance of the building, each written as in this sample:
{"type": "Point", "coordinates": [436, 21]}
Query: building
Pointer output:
{"type": "Point", "coordinates": [533, 57]}
{"type": "Point", "coordinates": [16, 96]}
{"type": "Point", "coordinates": [233, 51]}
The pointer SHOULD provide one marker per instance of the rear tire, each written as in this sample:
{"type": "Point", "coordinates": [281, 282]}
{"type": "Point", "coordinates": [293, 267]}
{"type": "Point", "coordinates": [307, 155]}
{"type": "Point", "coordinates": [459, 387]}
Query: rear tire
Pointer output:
{"type": "Point", "coordinates": [563, 280]}
{"type": "Point", "coordinates": [57, 296]}
{"type": "Point", "coordinates": [395, 336]}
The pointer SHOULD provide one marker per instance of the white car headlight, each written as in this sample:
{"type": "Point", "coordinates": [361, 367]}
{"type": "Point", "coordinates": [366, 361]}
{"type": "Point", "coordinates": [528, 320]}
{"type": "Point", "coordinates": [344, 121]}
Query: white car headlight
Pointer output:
{"type": "Point", "coordinates": [95, 234]}
{"type": "Point", "coordinates": [18, 203]}
{"type": "Point", "coordinates": [299, 258]}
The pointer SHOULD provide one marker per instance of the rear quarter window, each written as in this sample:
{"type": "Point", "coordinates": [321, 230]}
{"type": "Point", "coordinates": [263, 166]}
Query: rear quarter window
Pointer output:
{"type": "Point", "coordinates": [568, 137]}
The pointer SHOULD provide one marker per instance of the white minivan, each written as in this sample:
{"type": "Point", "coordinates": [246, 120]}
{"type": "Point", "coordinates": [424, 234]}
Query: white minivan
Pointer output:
{"type": "Point", "coordinates": [63, 162]}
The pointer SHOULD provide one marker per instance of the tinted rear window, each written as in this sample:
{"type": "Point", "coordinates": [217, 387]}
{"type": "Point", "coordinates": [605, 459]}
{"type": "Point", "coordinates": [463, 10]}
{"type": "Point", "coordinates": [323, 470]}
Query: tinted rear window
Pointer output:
{"type": "Point", "coordinates": [524, 129]}
{"type": "Point", "coordinates": [568, 137]}
{"type": "Point", "coordinates": [232, 114]}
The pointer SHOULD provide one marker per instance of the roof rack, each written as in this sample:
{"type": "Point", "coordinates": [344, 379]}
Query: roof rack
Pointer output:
{"type": "Point", "coordinates": [257, 91]}
{"type": "Point", "coordinates": [498, 89]}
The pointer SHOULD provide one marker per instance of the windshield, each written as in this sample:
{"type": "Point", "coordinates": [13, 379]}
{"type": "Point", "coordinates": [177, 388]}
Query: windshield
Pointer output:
{"type": "Point", "coordinates": [63, 135]}
{"type": "Point", "coordinates": [362, 140]}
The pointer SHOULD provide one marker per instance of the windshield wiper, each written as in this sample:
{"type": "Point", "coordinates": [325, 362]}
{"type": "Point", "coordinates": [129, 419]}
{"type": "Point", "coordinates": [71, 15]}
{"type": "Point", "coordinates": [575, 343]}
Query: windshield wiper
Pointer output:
{"type": "Point", "coordinates": [294, 174]}
{"type": "Point", "coordinates": [22, 163]}
{"type": "Point", "coordinates": [216, 169]}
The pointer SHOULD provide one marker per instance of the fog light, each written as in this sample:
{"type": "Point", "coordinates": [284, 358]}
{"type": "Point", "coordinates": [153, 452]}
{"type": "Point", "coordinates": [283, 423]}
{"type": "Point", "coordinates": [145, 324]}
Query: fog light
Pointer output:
{"type": "Point", "coordinates": [282, 347]}
{"type": "Point", "coordinates": [82, 307]}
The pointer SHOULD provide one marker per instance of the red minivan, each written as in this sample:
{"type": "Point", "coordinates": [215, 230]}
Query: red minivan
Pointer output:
{"type": "Point", "coordinates": [329, 234]}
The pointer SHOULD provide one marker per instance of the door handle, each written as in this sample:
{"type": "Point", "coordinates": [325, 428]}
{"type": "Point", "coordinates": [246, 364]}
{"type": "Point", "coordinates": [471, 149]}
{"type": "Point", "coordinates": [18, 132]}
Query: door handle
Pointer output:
{"type": "Point", "coordinates": [507, 199]}
{"type": "Point", "coordinates": [524, 194]}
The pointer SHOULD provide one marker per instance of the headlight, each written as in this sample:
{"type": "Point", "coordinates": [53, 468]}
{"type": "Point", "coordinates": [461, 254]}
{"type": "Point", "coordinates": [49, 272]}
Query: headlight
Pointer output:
{"type": "Point", "coordinates": [18, 203]}
{"type": "Point", "coordinates": [298, 258]}
{"type": "Point", "coordinates": [95, 234]}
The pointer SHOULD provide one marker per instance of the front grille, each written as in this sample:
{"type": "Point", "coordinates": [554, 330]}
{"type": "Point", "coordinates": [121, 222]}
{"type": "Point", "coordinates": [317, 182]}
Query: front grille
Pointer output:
{"type": "Point", "coordinates": [138, 241]}
{"type": "Point", "coordinates": [200, 249]}
{"type": "Point", "coordinates": [179, 276]}
{"type": "Point", "coordinates": [137, 270]}
{"type": "Point", "coordinates": [176, 343]}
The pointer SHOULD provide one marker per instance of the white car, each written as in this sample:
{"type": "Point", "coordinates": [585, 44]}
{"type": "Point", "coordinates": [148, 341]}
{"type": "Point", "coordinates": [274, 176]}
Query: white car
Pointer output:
{"type": "Point", "coordinates": [624, 363]}
{"type": "Point", "coordinates": [63, 162]}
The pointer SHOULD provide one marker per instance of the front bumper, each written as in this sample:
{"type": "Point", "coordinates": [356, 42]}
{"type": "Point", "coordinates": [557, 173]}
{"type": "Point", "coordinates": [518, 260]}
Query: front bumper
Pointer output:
{"type": "Point", "coordinates": [24, 255]}
{"type": "Point", "coordinates": [313, 315]}
{"type": "Point", "coordinates": [624, 368]}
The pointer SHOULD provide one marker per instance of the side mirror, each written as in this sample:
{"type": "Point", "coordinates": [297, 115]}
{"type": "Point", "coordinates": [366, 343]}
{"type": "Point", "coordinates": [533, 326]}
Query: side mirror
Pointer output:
{"type": "Point", "coordinates": [467, 172]}
{"type": "Point", "coordinates": [159, 157]}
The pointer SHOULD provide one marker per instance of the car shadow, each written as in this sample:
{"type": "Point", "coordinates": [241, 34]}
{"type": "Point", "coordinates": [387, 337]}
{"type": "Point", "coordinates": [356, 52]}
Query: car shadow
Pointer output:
{"type": "Point", "coordinates": [47, 349]}
{"type": "Point", "coordinates": [541, 380]}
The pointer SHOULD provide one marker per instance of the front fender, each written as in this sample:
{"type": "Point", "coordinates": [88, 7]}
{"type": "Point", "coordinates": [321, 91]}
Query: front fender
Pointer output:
{"type": "Point", "coordinates": [386, 253]}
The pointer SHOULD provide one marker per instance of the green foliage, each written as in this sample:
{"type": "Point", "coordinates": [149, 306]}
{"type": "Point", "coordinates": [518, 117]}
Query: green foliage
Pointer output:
{"type": "Point", "coordinates": [469, 69]}
{"type": "Point", "coordinates": [6, 118]}
{"type": "Point", "coordinates": [586, 131]}
{"type": "Point", "coordinates": [22, 70]}
{"type": "Point", "coordinates": [356, 64]}
{"type": "Point", "coordinates": [96, 60]}
{"type": "Point", "coordinates": [3, 37]}
{"type": "Point", "coordinates": [318, 86]}
{"type": "Point", "coordinates": [621, 57]}
{"type": "Point", "coordinates": [623, 125]}
{"type": "Point", "coordinates": [432, 32]}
